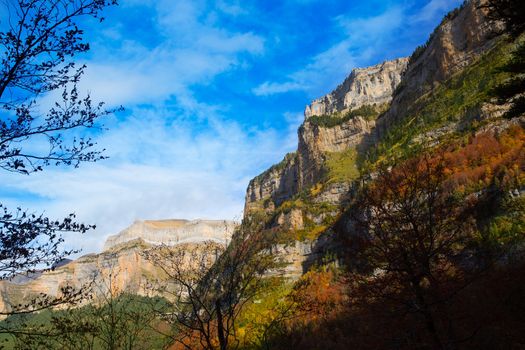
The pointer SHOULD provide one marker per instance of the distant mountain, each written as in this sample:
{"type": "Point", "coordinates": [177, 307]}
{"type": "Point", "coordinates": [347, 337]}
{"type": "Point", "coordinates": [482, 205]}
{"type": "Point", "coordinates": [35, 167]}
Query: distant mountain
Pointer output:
{"type": "Point", "coordinates": [121, 256]}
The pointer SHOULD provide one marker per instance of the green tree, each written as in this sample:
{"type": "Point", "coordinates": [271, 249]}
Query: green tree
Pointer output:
{"type": "Point", "coordinates": [513, 89]}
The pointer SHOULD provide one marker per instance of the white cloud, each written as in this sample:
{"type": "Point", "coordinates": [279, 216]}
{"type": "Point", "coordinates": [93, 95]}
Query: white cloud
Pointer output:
{"type": "Point", "coordinates": [269, 88]}
{"type": "Point", "coordinates": [178, 159]}
{"type": "Point", "coordinates": [191, 48]}
{"type": "Point", "coordinates": [369, 29]}
{"type": "Point", "coordinates": [160, 167]}
{"type": "Point", "coordinates": [233, 8]}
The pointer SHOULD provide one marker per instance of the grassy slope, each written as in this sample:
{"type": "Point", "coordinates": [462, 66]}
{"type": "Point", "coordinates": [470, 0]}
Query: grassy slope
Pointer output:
{"type": "Point", "coordinates": [456, 100]}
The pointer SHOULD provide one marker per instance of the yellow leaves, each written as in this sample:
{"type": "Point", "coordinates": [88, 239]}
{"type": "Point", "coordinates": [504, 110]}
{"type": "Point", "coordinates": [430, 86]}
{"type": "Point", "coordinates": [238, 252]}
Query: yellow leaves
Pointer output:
{"type": "Point", "coordinates": [316, 189]}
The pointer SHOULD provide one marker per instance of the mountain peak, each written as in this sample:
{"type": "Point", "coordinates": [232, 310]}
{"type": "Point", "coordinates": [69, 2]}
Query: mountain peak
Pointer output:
{"type": "Point", "coordinates": [364, 86]}
{"type": "Point", "coordinates": [173, 231]}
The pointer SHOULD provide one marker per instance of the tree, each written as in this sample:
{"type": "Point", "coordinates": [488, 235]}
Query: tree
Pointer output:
{"type": "Point", "coordinates": [211, 283]}
{"type": "Point", "coordinates": [113, 320]}
{"type": "Point", "coordinates": [513, 89]}
{"type": "Point", "coordinates": [511, 12]}
{"type": "Point", "coordinates": [39, 40]}
{"type": "Point", "coordinates": [122, 320]}
{"type": "Point", "coordinates": [415, 236]}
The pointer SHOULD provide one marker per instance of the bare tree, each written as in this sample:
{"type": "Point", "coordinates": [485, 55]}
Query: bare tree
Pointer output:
{"type": "Point", "coordinates": [416, 236]}
{"type": "Point", "coordinates": [39, 40]}
{"type": "Point", "coordinates": [39, 43]}
{"type": "Point", "coordinates": [212, 283]}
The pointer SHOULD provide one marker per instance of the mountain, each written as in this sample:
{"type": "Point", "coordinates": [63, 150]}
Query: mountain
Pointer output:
{"type": "Point", "coordinates": [439, 263]}
{"type": "Point", "coordinates": [390, 273]}
{"type": "Point", "coordinates": [121, 258]}
{"type": "Point", "coordinates": [318, 143]}
{"type": "Point", "coordinates": [377, 115]}
{"type": "Point", "coordinates": [172, 232]}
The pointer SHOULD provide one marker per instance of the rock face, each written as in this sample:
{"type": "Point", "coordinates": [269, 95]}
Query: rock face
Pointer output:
{"type": "Point", "coordinates": [122, 259]}
{"type": "Point", "coordinates": [277, 183]}
{"type": "Point", "coordinates": [453, 45]}
{"type": "Point", "coordinates": [304, 168]}
{"type": "Point", "coordinates": [315, 142]}
{"type": "Point", "coordinates": [462, 36]}
{"type": "Point", "coordinates": [129, 270]}
{"type": "Point", "coordinates": [171, 232]}
{"type": "Point", "coordinates": [364, 86]}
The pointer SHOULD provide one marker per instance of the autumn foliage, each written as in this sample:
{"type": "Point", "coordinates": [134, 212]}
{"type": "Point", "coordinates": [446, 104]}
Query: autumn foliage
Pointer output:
{"type": "Point", "coordinates": [487, 157]}
{"type": "Point", "coordinates": [417, 275]}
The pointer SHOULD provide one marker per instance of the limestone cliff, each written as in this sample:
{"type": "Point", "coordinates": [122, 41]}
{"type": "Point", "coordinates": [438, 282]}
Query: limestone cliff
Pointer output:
{"type": "Point", "coordinates": [305, 190]}
{"type": "Point", "coordinates": [121, 258]}
{"type": "Point", "coordinates": [372, 86]}
{"type": "Point", "coordinates": [323, 142]}
{"type": "Point", "coordinates": [461, 38]}
{"type": "Point", "coordinates": [364, 86]}
{"type": "Point", "coordinates": [171, 232]}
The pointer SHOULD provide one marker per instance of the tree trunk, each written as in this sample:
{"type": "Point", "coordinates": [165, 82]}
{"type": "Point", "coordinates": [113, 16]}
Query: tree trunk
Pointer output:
{"type": "Point", "coordinates": [223, 341]}
{"type": "Point", "coordinates": [427, 314]}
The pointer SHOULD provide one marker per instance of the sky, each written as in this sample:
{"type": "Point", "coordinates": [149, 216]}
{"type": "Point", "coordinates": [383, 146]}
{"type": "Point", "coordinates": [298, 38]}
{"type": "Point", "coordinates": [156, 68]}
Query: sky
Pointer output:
{"type": "Point", "coordinates": [213, 93]}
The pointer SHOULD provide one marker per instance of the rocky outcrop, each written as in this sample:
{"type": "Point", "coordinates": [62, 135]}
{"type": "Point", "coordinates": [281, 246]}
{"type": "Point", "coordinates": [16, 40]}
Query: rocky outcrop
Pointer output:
{"type": "Point", "coordinates": [459, 40]}
{"type": "Point", "coordinates": [171, 232]}
{"type": "Point", "coordinates": [315, 142]}
{"type": "Point", "coordinates": [332, 125]}
{"type": "Point", "coordinates": [277, 184]}
{"type": "Point", "coordinates": [364, 86]}
{"type": "Point", "coordinates": [304, 168]}
{"type": "Point", "coordinates": [122, 260]}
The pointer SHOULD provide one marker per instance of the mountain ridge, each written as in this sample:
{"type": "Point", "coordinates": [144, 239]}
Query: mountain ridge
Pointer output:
{"type": "Point", "coordinates": [302, 196]}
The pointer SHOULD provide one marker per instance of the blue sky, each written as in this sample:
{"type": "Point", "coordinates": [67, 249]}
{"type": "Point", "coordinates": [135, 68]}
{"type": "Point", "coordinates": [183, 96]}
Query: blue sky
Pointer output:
{"type": "Point", "coordinates": [214, 92]}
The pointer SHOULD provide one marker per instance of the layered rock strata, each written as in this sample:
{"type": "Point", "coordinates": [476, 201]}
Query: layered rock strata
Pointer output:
{"type": "Point", "coordinates": [171, 232]}
{"type": "Point", "coordinates": [302, 169]}
{"type": "Point", "coordinates": [121, 262]}
{"type": "Point", "coordinates": [364, 86]}
{"type": "Point", "coordinates": [458, 41]}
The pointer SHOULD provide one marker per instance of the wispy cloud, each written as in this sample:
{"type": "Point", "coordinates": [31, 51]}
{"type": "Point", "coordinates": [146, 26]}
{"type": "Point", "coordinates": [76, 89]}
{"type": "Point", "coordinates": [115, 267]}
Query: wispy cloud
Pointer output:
{"type": "Point", "coordinates": [268, 88]}
{"type": "Point", "coordinates": [362, 40]}
{"type": "Point", "coordinates": [190, 48]}
{"type": "Point", "coordinates": [191, 75]}
{"type": "Point", "coordinates": [159, 167]}
{"type": "Point", "coordinates": [170, 155]}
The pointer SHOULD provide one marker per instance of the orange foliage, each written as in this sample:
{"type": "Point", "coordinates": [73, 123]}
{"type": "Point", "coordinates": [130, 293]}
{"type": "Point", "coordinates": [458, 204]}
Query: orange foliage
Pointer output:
{"type": "Point", "coordinates": [487, 157]}
{"type": "Point", "coordinates": [319, 295]}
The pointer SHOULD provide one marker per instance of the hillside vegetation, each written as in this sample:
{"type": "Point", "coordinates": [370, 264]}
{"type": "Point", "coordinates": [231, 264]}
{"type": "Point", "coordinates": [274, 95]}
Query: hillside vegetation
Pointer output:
{"type": "Point", "coordinates": [383, 230]}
